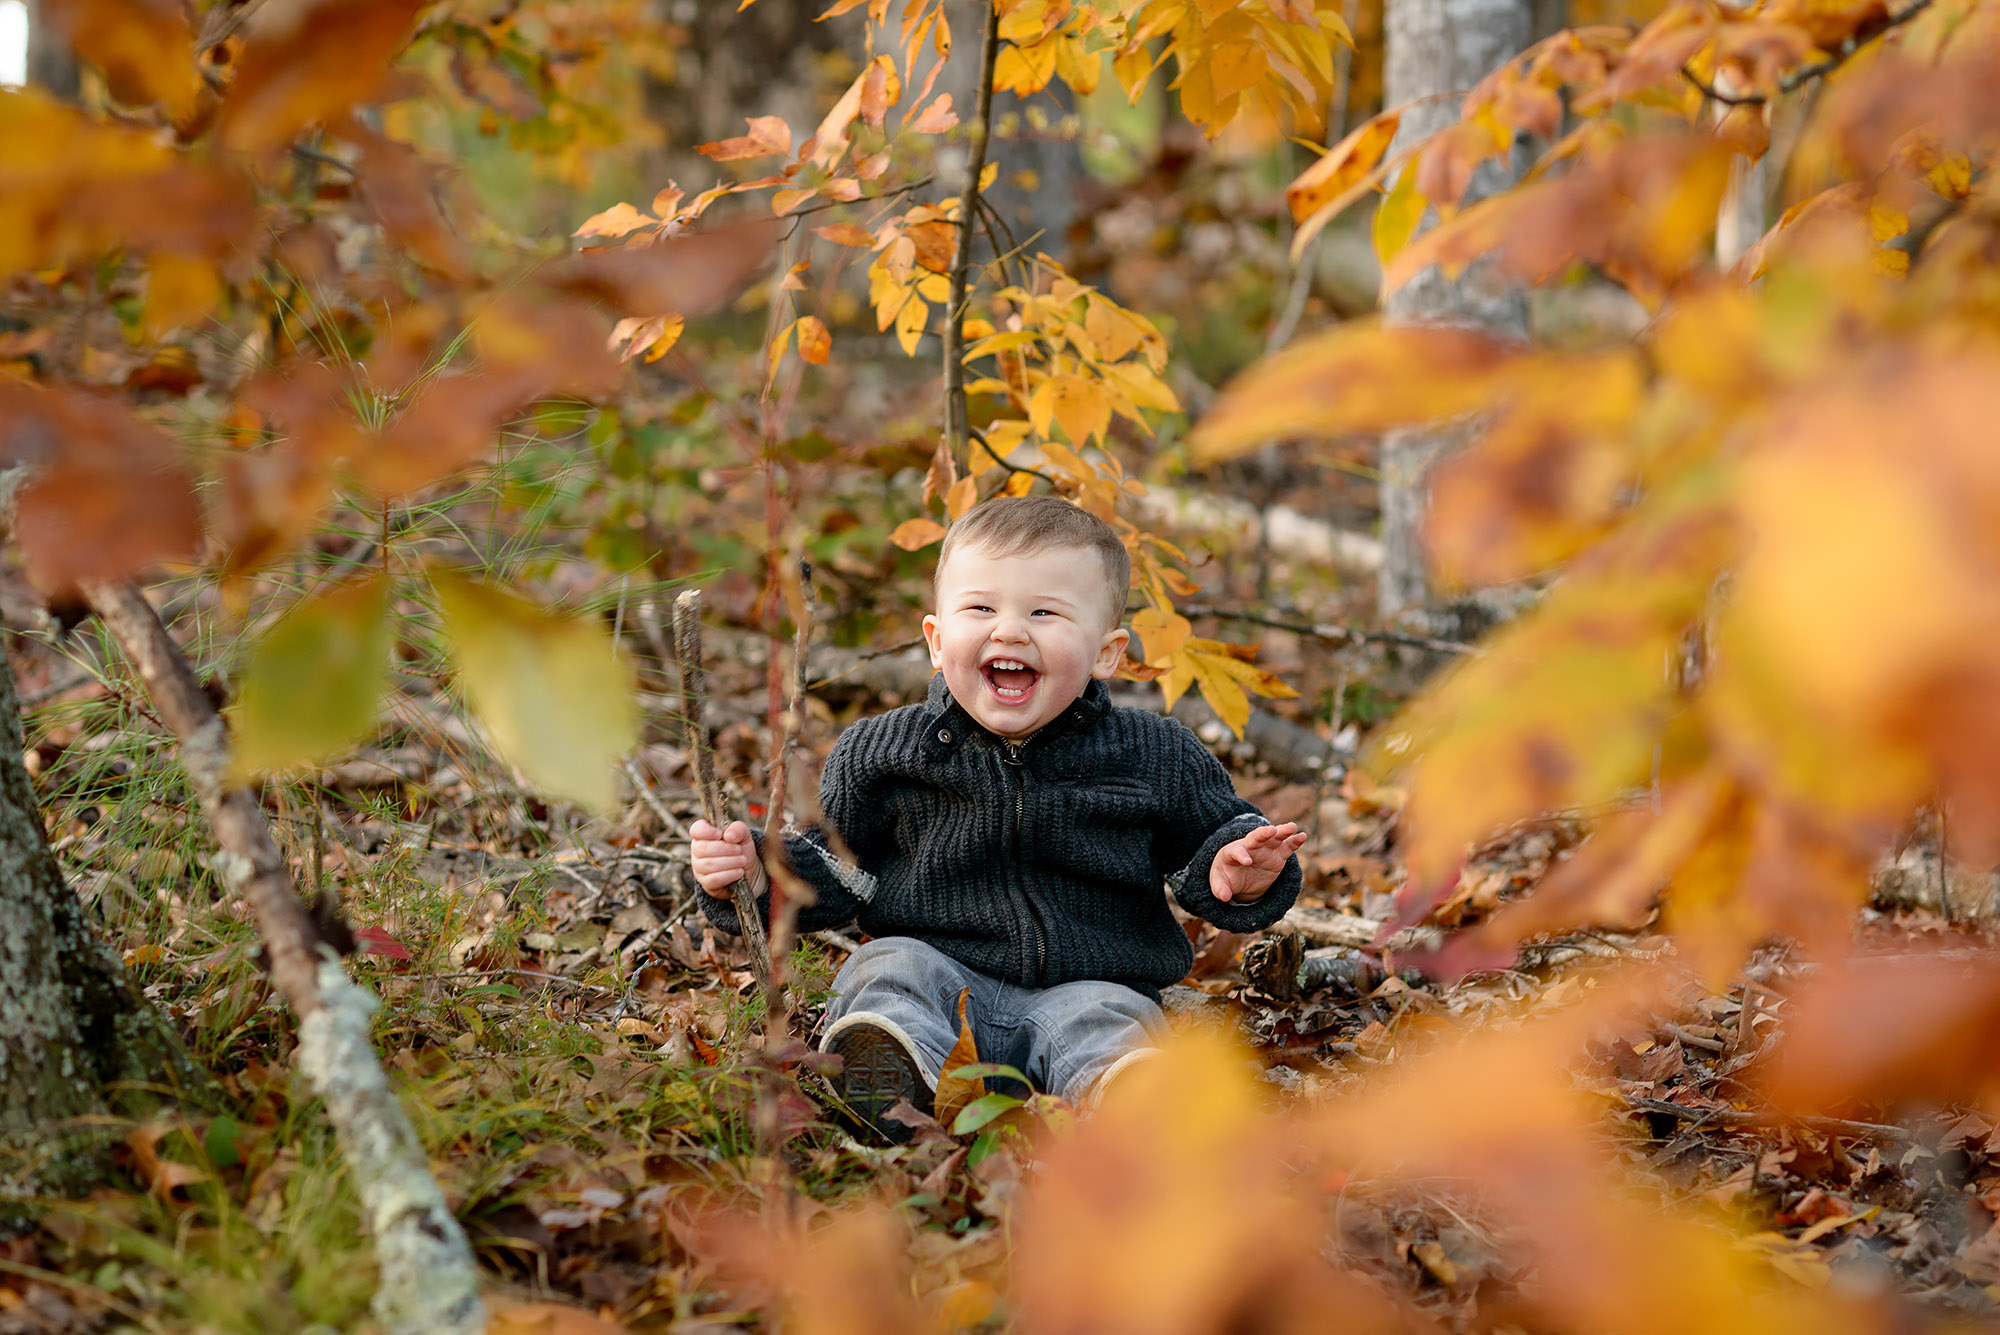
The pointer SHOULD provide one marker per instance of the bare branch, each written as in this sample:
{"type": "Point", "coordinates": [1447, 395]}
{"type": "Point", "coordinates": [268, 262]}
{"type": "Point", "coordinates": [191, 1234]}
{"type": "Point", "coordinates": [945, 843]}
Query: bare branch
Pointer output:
{"type": "Point", "coordinates": [956, 420]}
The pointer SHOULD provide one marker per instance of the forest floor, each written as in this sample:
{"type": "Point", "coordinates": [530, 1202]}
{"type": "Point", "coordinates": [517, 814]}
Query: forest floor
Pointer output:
{"type": "Point", "coordinates": [576, 1050]}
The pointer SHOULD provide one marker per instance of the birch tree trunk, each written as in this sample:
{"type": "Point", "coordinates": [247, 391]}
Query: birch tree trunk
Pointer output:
{"type": "Point", "coordinates": [72, 1025]}
{"type": "Point", "coordinates": [51, 62]}
{"type": "Point", "coordinates": [1437, 50]}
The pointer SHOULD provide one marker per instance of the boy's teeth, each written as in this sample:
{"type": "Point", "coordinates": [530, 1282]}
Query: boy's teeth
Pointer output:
{"type": "Point", "coordinates": [1011, 680]}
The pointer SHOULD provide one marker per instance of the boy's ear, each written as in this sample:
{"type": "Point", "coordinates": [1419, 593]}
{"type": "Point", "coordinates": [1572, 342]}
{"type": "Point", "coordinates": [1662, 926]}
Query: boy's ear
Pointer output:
{"type": "Point", "coordinates": [1110, 654]}
{"type": "Point", "coordinates": [934, 638]}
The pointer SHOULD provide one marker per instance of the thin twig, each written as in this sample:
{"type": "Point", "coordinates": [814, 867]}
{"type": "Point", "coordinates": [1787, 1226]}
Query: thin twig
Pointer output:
{"type": "Point", "coordinates": [1332, 633]}
{"type": "Point", "coordinates": [1804, 74]}
{"type": "Point", "coordinates": [652, 800]}
{"type": "Point", "coordinates": [1737, 1117]}
{"type": "Point", "coordinates": [956, 420]}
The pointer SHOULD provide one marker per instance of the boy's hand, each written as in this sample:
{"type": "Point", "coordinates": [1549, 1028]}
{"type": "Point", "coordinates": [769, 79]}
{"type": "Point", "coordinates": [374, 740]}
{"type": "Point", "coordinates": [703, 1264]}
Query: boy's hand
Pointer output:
{"type": "Point", "coordinates": [719, 858]}
{"type": "Point", "coordinates": [1245, 868]}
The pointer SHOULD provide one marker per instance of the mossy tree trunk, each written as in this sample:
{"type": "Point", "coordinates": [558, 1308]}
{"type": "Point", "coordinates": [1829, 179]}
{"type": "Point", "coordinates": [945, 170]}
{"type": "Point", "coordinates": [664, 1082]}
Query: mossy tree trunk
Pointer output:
{"type": "Point", "coordinates": [76, 1037]}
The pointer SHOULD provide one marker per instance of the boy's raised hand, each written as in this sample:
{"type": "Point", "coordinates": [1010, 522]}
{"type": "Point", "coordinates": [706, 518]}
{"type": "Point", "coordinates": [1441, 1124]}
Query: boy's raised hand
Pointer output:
{"type": "Point", "coordinates": [1244, 869]}
{"type": "Point", "coordinates": [719, 858]}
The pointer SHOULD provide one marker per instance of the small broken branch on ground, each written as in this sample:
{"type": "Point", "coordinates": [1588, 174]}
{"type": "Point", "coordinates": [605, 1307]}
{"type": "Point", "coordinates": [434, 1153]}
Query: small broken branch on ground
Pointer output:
{"type": "Point", "coordinates": [1282, 968]}
{"type": "Point", "coordinates": [1331, 633]}
{"type": "Point", "coordinates": [429, 1281]}
{"type": "Point", "coordinates": [1834, 1126]}
{"type": "Point", "coordinates": [687, 648]}
{"type": "Point", "coordinates": [1344, 929]}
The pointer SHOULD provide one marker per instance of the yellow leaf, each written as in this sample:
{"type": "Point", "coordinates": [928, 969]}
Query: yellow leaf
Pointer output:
{"type": "Point", "coordinates": [779, 346]}
{"type": "Point", "coordinates": [1397, 216]}
{"type": "Point", "coordinates": [1161, 632]}
{"type": "Point", "coordinates": [552, 692]}
{"type": "Point", "coordinates": [954, 1093]}
{"type": "Point", "coordinates": [1074, 403]}
{"type": "Point", "coordinates": [910, 321]}
{"type": "Point", "coordinates": [914, 533]}
{"type": "Point", "coordinates": [1357, 376]}
{"type": "Point", "coordinates": [1345, 164]}
{"type": "Point", "coordinates": [313, 683]}
{"type": "Point", "coordinates": [1025, 70]}
{"type": "Point", "coordinates": [1147, 390]}
{"type": "Point", "coordinates": [1236, 65]}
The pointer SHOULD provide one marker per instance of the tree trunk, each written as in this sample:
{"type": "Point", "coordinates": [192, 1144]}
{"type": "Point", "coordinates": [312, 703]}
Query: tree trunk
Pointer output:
{"type": "Point", "coordinates": [51, 62]}
{"type": "Point", "coordinates": [1438, 49]}
{"type": "Point", "coordinates": [1040, 161]}
{"type": "Point", "coordinates": [72, 1025]}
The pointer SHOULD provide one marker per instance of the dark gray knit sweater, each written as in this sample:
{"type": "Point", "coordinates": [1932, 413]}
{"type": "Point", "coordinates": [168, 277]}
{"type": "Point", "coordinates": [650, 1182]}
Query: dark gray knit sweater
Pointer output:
{"type": "Point", "coordinates": [1039, 862]}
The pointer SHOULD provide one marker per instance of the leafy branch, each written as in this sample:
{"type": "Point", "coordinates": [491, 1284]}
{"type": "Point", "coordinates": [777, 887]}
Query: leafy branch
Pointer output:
{"type": "Point", "coordinates": [1804, 74]}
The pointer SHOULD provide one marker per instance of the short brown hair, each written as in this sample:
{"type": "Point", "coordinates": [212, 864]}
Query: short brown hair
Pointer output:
{"type": "Point", "coordinates": [1018, 525]}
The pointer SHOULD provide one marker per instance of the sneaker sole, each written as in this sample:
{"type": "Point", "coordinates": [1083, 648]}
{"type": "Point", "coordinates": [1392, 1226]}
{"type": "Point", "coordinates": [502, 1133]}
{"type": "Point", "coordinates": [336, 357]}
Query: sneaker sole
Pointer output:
{"type": "Point", "coordinates": [876, 1073]}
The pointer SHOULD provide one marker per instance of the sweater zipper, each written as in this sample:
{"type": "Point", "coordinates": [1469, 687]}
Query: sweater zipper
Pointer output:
{"type": "Point", "coordinates": [1014, 749]}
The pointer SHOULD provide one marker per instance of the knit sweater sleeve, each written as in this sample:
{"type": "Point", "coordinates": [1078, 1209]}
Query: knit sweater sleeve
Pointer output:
{"type": "Point", "coordinates": [841, 886]}
{"type": "Point", "coordinates": [1207, 817]}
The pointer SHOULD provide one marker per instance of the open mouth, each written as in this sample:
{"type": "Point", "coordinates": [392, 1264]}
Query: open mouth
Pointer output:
{"type": "Point", "coordinates": [1010, 680]}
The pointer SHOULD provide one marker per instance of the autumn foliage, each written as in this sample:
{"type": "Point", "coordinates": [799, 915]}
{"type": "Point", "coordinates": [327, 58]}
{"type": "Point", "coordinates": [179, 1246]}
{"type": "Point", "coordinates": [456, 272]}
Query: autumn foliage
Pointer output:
{"type": "Point", "coordinates": [1761, 536]}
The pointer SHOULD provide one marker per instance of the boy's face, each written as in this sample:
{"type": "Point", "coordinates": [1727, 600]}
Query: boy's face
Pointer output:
{"type": "Point", "coordinates": [1019, 637]}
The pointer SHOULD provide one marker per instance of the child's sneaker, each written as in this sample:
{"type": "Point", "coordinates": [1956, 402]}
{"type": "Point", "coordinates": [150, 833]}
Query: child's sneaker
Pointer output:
{"type": "Point", "coordinates": [878, 1068]}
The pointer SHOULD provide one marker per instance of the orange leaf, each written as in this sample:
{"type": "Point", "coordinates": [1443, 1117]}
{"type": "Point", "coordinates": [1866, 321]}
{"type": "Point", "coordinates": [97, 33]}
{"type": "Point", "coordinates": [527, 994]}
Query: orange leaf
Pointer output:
{"type": "Point", "coordinates": [144, 47]}
{"type": "Point", "coordinates": [912, 534]}
{"type": "Point", "coordinates": [768, 135]}
{"type": "Point", "coordinates": [112, 499]}
{"type": "Point", "coordinates": [881, 86]}
{"type": "Point", "coordinates": [814, 342]}
{"type": "Point", "coordinates": [846, 234]}
{"type": "Point", "coordinates": [954, 1093]}
{"type": "Point", "coordinates": [309, 62]}
{"type": "Point", "coordinates": [960, 498]}
{"type": "Point", "coordinates": [689, 275]}
{"type": "Point", "coordinates": [617, 220]}
{"type": "Point", "coordinates": [935, 118]}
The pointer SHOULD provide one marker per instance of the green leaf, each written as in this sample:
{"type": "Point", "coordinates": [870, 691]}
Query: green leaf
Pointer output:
{"type": "Point", "coordinates": [312, 685]}
{"type": "Point", "coordinates": [987, 1071]}
{"type": "Point", "coordinates": [982, 1110]}
{"type": "Point", "coordinates": [552, 692]}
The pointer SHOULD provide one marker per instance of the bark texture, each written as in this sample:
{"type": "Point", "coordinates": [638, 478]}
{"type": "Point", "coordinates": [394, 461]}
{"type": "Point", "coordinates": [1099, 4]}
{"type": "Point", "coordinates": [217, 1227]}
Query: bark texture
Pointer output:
{"type": "Point", "coordinates": [1437, 50]}
{"type": "Point", "coordinates": [51, 61]}
{"type": "Point", "coordinates": [76, 1038]}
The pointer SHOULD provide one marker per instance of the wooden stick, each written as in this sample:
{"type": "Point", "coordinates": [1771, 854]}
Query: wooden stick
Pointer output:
{"type": "Point", "coordinates": [687, 648]}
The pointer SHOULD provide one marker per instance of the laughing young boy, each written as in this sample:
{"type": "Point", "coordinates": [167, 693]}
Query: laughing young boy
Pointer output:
{"type": "Point", "coordinates": [1012, 834]}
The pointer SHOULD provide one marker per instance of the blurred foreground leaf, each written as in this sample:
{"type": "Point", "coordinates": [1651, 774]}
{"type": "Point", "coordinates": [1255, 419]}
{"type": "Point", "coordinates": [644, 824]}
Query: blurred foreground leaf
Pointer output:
{"type": "Point", "coordinates": [552, 691]}
{"type": "Point", "coordinates": [313, 684]}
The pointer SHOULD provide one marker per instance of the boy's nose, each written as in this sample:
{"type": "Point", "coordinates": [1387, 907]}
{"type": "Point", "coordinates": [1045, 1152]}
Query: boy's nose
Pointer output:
{"type": "Point", "coordinates": [1010, 630]}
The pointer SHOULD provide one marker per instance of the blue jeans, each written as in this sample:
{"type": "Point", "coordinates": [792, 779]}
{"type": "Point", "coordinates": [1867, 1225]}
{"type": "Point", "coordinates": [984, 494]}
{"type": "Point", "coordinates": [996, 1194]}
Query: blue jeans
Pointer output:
{"type": "Point", "coordinates": [1063, 1038]}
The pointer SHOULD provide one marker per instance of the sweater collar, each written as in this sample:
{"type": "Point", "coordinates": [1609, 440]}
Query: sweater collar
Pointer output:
{"type": "Point", "coordinates": [947, 723]}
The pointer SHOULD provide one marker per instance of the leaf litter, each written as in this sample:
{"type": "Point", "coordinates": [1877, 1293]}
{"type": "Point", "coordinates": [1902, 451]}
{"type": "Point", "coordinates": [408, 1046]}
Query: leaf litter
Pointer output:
{"type": "Point", "coordinates": [580, 1055]}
